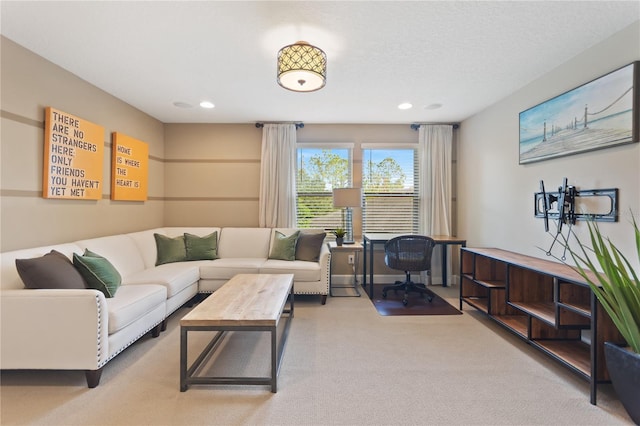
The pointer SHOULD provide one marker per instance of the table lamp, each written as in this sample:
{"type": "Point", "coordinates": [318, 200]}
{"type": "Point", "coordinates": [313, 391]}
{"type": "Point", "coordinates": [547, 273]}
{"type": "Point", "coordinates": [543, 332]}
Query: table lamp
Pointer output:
{"type": "Point", "coordinates": [347, 198]}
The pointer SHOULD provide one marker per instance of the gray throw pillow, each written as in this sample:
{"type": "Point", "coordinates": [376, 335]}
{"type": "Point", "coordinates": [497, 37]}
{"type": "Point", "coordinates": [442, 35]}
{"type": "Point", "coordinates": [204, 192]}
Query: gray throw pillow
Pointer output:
{"type": "Point", "coordinates": [98, 272]}
{"type": "Point", "coordinates": [170, 249]}
{"type": "Point", "coordinates": [201, 248]}
{"type": "Point", "coordinates": [54, 270]}
{"type": "Point", "coordinates": [309, 245]}
{"type": "Point", "coordinates": [284, 247]}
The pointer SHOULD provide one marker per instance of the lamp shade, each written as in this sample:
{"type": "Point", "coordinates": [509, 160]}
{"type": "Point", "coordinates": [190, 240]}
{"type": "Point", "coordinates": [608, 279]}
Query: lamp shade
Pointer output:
{"type": "Point", "coordinates": [302, 67]}
{"type": "Point", "coordinates": [347, 197]}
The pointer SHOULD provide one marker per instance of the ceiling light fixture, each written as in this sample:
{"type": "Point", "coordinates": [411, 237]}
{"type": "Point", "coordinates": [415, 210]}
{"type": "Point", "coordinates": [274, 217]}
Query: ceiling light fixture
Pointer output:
{"type": "Point", "coordinates": [207, 104]}
{"type": "Point", "coordinates": [179, 104]}
{"type": "Point", "coordinates": [302, 67]}
{"type": "Point", "coordinates": [405, 105]}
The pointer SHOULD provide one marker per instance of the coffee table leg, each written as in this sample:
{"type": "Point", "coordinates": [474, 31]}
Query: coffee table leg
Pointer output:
{"type": "Point", "coordinates": [274, 360]}
{"type": "Point", "coordinates": [183, 359]}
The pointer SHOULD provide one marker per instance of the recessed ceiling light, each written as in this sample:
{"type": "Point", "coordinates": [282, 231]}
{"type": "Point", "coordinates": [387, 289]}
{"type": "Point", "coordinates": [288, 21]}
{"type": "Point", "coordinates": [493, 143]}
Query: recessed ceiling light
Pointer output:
{"type": "Point", "coordinates": [433, 106]}
{"type": "Point", "coordinates": [182, 104]}
{"type": "Point", "coordinates": [207, 104]}
{"type": "Point", "coordinates": [405, 105]}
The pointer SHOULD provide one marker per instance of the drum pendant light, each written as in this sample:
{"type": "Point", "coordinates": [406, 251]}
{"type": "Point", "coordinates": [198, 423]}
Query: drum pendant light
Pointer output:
{"type": "Point", "coordinates": [302, 67]}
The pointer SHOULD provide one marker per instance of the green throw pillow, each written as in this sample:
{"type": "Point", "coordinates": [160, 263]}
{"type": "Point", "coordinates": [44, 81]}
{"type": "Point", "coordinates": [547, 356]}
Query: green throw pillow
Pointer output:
{"type": "Point", "coordinates": [284, 247]}
{"type": "Point", "coordinates": [201, 248]}
{"type": "Point", "coordinates": [170, 249]}
{"type": "Point", "coordinates": [98, 272]}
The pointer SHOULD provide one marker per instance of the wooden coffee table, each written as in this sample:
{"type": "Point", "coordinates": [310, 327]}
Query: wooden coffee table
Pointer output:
{"type": "Point", "coordinates": [247, 302]}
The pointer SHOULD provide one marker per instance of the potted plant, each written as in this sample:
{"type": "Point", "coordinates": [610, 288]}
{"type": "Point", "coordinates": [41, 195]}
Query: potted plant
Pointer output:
{"type": "Point", "coordinates": [339, 233]}
{"type": "Point", "coordinates": [615, 283]}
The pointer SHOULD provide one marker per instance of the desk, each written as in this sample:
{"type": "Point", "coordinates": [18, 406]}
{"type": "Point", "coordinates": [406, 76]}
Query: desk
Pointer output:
{"type": "Point", "coordinates": [355, 248]}
{"type": "Point", "coordinates": [371, 239]}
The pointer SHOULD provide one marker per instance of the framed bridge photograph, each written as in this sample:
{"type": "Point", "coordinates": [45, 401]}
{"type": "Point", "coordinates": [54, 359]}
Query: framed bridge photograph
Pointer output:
{"type": "Point", "coordinates": [599, 114]}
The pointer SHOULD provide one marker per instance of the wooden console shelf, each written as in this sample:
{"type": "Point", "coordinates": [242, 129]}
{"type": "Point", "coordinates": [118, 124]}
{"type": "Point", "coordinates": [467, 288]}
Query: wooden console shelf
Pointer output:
{"type": "Point", "coordinates": [545, 303]}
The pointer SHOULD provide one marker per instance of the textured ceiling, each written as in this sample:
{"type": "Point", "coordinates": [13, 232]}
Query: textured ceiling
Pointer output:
{"type": "Point", "coordinates": [464, 55]}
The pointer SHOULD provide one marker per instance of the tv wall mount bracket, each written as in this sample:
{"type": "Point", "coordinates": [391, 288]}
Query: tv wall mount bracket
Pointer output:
{"type": "Point", "coordinates": [570, 204]}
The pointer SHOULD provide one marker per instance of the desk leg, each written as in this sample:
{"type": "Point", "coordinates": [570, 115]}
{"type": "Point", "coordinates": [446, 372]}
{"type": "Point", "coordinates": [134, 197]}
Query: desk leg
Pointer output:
{"type": "Point", "coordinates": [364, 264]}
{"type": "Point", "coordinates": [444, 265]}
{"type": "Point", "coordinates": [371, 250]}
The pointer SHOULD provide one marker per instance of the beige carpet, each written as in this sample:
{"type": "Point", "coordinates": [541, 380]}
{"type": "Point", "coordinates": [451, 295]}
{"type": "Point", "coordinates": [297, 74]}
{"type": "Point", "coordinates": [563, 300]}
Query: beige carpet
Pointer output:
{"type": "Point", "coordinates": [343, 365]}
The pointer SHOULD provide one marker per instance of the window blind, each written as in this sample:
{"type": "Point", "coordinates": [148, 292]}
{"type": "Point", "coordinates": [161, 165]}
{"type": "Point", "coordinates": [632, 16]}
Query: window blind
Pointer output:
{"type": "Point", "coordinates": [318, 170]}
{"type": "Point", "coordinates": [391, 192]}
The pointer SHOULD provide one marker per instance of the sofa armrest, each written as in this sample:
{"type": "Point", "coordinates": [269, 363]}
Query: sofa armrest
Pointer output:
{"type": "Point", "coordinates": [325, 264]}
{"type": "Point", "coordinates": [53, 329]}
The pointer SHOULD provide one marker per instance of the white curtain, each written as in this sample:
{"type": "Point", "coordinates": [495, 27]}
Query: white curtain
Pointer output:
{"type": "Point", "coordinates": [435, 182]}
{"type": "Point", "coordinates": [278, 176]}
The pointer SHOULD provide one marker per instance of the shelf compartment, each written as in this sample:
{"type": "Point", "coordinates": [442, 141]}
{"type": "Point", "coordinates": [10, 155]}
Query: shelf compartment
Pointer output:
{"type": "Point", "coordinates": [480, 303]}
{"type": "Point", "coordinates": [544, 311]}
{"type": "Point", "coordinates": [573, 353]}
{"type": "Point", "coordinates": [572, 317]}
{"type": "Point", "coordinates": [539, 329]}
{"type": "Point", "coordinates": [469, 288]}
{"type": "Point", "coordinates": [519, 324]}
{"type": "Point", "coordinates": [575, 297]}
{"type": "Point", "coordinates": [491, 294]}
{"type": "Point", "coordinates": [489, 270]}
{"type": "Point", "coordinates": [530, 287]}
{"type": "Point", "coordinates": [467, 264]}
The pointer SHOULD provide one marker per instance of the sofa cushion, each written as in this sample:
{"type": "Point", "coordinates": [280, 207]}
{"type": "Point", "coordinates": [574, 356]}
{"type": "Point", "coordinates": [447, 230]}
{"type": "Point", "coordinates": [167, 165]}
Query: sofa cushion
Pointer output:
{"type": "Point", "coordinates": [53, 270]}
{"type": "Point", "coordinates": [174, 276]}
{"type": "Point", "coordinates": [201, 248]}
{"type": "Point", "coordinates": [284, 246]}
{"type": "Point", "coordinates": [309, 245]}
{"type": "Point", "coordinates": [132, 302]}
{"type": "Point", "coordinates": [227, 268]}
{"type": "Point", "coordinates": [170, 249]}
{"type": "Point", "coordinates": [301, 270]}
{"type": "Point", "coordinates": [98, 272]}
{"type": "Point", "coordinates": [121, 250]}
{"type": "Point", "coordinates": [146, 244]}
{"type": "Point", "coordinates": [244, 243]}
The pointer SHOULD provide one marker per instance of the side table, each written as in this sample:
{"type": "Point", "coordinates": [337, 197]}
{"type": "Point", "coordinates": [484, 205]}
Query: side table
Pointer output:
{"type": "Point", "coordinates": [356, 249]}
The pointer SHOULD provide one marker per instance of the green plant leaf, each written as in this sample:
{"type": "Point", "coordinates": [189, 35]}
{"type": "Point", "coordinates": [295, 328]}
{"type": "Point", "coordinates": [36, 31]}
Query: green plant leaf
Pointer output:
{"type": "Point", "coordinates": [612, 279]}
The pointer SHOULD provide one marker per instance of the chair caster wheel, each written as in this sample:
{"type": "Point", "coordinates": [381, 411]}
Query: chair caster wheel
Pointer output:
{"type": "Point", "coordinates": [405, 302]}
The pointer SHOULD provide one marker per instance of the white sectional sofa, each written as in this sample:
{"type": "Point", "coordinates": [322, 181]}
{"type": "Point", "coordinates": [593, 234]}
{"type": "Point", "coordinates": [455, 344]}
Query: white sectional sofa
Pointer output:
{"type": "Point", "coordinates": [82, 329]}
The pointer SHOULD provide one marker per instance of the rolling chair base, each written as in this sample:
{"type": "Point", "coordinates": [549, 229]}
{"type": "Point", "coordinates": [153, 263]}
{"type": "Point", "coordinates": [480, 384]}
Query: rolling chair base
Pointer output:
{"type": "Point", "coordinates": [407, 287]}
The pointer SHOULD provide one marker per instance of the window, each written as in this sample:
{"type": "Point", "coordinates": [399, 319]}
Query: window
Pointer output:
{"type": "Point", "coordinates": [319, 169]}
{"type": "Point", "coordinates": [390, 181]}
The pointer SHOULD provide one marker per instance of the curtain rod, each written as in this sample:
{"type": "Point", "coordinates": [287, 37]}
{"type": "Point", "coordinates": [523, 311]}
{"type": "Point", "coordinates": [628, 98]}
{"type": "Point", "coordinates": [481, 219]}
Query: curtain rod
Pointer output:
{"type": "Point", "coordinates": [261, 125]}
{"type": "Point", "coordinates": [416, 126]}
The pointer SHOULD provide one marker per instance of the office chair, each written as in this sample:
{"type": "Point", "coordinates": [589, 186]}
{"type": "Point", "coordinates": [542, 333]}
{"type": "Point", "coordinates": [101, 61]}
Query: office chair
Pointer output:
{"type": "Point", "coordinates": [409, 253]}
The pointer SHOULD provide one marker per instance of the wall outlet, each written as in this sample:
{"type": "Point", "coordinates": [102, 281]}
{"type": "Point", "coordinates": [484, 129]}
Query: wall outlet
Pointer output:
{"type": "Point", "coordinates": [350, 259]}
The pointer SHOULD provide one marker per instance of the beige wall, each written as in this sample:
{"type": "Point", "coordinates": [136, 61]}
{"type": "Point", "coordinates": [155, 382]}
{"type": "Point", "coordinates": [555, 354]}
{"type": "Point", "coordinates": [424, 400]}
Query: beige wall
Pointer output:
{"type": "Point", "coordinates": [212, 174]}
{"type": "Point", "coordinates": [29, 84]}
{"type": "Point", "coordinates": [496, 194]}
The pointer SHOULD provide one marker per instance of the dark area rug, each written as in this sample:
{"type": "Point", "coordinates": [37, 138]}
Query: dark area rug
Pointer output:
{"type": "Point", "coordinates": [418, 305]}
